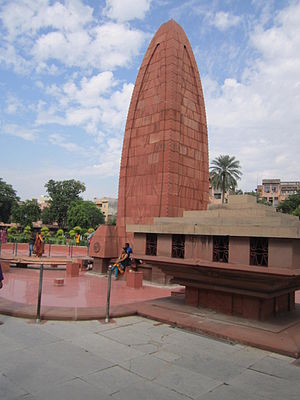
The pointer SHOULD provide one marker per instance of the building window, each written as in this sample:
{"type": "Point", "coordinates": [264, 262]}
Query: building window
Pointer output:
{"type": "Point", "coordinates": [220, 248]}
{"type": "Point", "coordinates": [178, 242]}
{"type": "Point", "coordinates": [267, 188]}
{"type": "Point", "coordinates": [217, 196]}
{"type": "Point", "coordinates": [151, 244]}
{"type": "Point", "coordinates": [259, 251]}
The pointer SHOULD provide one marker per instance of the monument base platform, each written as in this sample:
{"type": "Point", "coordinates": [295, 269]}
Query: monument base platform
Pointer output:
{"type": "Point", "coordinates": [241, 305]}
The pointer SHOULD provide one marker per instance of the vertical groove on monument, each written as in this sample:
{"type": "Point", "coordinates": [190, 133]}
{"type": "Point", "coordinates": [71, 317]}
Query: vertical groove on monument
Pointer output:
{"type": "Point", "coordinates": [164, 165]}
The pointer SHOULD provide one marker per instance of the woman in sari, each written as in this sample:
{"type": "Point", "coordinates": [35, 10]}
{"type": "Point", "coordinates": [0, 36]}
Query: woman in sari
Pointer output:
{"type": "Point", "coordinates": [38, 245]}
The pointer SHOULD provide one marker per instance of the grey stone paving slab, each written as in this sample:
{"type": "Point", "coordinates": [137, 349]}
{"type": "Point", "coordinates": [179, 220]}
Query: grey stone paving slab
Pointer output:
{"type": "Point", "coordinates": [280, 368]}
{"type": "Point", "coordinates": [8, 344]}
{"type": "Point", "coordinates": [227, 392]}
{"type": "Point", "coordinates": [67, 331]}
{"type": "Point", "coordinates": [33, 376]}
{"type": "Point", "coordinates": [113, 379]}
{"type": "Point", "coordinates": [166, 355]}
{"type": "Point", "coordinates": [28, 334]}
{"type": "Point", "coordinates": [201, 343]}
{"type": "Point", "coordinates": [106, 348]}
{"type": "Point", "coordinates": [10, 359]}
{"type": "Point", "coordinates": [75, 389]}
{"type": "Point", "coordinates": [185, 381]}
{"type": "Point", "coordinates": [266, 386]}
{"type": "Point", "coordinates": [246, 356]}
{"type": "Point", "coordinates": [126, 335]}
{"type": "Point", "coordinates": [146, 366]}
{"type": "Point", "coordinates": [219, 369]}
{"type": "Point", "coordinates": [148, 348]}
{"type": "Point", "coordinates": [79, 362]}
{"type": "Point", "coordinates": [153, 361]}
{"type": "Point", "coordinates": [147, 391]}
{"type": "Point", "coordinates": [8, 390]}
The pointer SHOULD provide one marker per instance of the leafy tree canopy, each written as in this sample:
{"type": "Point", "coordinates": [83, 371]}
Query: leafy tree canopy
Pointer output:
{"type": "Point", "coordinates": [290, 205]}
{"type": "Point", "coordinates": [225, 171]}
{"type": "Point", "coordinates": [62, 194]}
{"type": "Point", "coordinates": [8, 198]}
{"type": "Point", "coordinates": [26, 213]}
{"type": "Point", "coordinates": [84, 214]}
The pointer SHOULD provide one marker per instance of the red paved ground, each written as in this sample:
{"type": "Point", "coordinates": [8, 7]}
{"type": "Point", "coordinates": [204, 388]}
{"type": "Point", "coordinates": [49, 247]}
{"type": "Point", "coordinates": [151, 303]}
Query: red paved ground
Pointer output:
{"type": "Point", "coordinates": [87, 290]}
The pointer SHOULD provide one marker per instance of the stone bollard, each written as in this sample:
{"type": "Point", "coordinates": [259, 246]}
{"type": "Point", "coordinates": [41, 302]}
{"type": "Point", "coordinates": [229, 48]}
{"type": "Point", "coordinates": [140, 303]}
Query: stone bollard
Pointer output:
{"type": "Point", "coordinates": [134, 279]}
{"type": "Point", "coordinates": [72, 269]}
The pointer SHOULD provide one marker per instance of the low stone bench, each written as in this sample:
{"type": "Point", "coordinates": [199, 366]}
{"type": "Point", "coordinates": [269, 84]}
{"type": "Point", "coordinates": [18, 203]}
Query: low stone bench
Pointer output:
{"type": "Point", "coordinates": [134, 279]}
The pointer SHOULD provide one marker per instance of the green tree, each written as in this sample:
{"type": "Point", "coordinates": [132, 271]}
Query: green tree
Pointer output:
{"type": "Point", "coordinates": [47, 216]}
{"type": "Point", "coordinates": [8, 198]}
{"type": "Point", "coordinates": [59, 233]}
{"type": "Point", "coordinates": [72, 233]}
{"type": "Point", "coordinates": [84, 214]}
{"type": "Point", "coordinates": [26, 213]}
{"type": "Point", "coordinates": [290, 205]}
{"type": "Point", "coordinates": [45, 232]}
{"type": "Point", "coordinates": [225, 171]}
{"type": "Point", "coordinates": [296, 212]}
{"type": "Point", "coordinates": [27, 231]}
{"type": "Point", "coordinates": [62, 194]}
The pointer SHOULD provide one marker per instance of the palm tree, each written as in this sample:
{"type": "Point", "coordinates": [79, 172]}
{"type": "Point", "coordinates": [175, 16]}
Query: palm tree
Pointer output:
{"type": "Point", "coordinates": [224, 173]}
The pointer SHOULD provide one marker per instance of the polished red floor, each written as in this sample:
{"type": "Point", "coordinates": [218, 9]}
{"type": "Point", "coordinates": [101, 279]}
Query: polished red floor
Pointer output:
{"type": "Point", "coordinates": [21, 285]}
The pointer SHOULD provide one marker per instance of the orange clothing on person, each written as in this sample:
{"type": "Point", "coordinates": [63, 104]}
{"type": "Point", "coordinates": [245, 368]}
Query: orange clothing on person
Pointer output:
{"type": "Point", "coordinates": [38, 245]}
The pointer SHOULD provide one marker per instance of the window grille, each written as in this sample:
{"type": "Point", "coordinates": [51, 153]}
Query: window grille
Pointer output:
{"type": "Point", "coordinates": [178, 243]}
{"type": "Point", "coordinates": [151, 244]}
{"type": "Point", "coordinates": [220, 248]}
{"type": "Point", "coordinates": [259, 251]}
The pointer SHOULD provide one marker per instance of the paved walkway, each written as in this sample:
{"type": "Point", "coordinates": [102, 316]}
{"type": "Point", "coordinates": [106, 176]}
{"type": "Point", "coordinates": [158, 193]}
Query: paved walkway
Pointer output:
{"type": "Point", "coordinates": [135, 358]}
{"type": "Point", "coordinates": [84, 298]}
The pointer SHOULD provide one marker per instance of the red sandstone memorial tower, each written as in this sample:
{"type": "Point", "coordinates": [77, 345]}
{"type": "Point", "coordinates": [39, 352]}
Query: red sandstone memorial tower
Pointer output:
{"type": "Point", "coordinates": [164, 166]}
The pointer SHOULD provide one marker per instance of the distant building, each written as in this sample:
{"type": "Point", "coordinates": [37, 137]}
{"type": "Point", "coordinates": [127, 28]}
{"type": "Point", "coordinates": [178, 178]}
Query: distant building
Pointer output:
{"type": "Point", "coordinates": [274, 191]}
{"type": "Point", "coordinates": [215, 195]}
{"type": "Point", "coordinates": [43, 201]}
{"type": "Point", "coordinates": [108, 206]}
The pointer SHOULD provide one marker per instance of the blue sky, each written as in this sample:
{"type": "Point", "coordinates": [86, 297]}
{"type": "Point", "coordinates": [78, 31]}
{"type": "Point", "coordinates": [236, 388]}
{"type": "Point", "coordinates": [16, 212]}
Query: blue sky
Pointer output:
{"type": "Point", "coordinates": [67, 70]}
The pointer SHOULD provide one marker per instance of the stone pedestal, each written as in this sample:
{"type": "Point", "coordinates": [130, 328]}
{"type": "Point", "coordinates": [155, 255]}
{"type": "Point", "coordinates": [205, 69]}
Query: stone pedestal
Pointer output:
{"type": "Point", "coordinates": [134, 279]}
{"type": "Point", "coordinates": [101, 265]}
{"type": "Point", "coordinates": [72, 269]}
{"type": "Point", "coordinates": [59, 282]}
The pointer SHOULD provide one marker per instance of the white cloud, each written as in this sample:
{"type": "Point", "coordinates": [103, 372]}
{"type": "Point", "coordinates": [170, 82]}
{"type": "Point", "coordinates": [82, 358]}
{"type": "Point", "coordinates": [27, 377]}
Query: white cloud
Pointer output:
{"type": "Point", "coordinates": [39, 35]}
{"type": "Point", "coordinates": [30, 16]}
{"type": "Point", "coordinates": [257, 119]}
{"type": "Point", "coordinates": [126, 10]}
{"type": "Point", "coordinates": [13, 105]}
{"type": "Point", "coordinates": [223, 20]}
{"type": "Point", "coordinates": [60, 141]}
{"type": "Point", "coordinates": [18, 131]}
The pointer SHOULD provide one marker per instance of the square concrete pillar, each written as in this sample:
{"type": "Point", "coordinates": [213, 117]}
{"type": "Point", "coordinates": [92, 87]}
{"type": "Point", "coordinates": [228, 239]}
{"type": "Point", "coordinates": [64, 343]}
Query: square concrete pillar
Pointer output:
{"type": "Point", "coordinates": [239, 250]}
{"type": "Point", "coordinates": [134, 279]}
{"type": "Point", "coordinates": [164, 245]}
{"type": "Point", "coordinates": [72, 269]}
